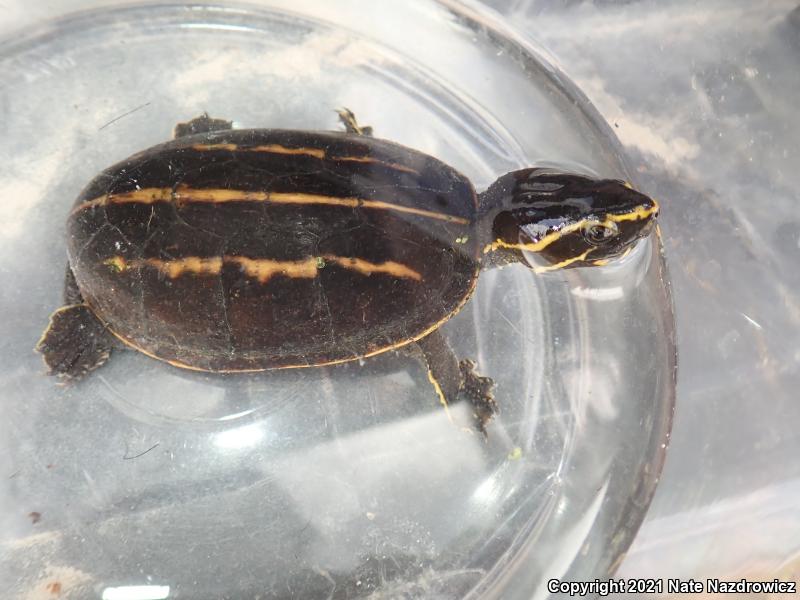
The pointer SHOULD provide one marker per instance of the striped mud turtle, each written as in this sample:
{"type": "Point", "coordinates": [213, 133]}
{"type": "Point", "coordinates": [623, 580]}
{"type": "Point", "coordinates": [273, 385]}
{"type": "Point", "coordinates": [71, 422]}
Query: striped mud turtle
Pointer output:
{"type": "Point", "coordinates": [245, 250]}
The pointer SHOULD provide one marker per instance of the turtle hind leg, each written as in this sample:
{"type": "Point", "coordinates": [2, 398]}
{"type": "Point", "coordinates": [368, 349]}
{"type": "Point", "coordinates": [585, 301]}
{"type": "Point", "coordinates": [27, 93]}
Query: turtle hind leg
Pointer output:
{"type": "Point", "coordinates": [75, 342]}
{"type": "Point", "coordinates": [348, 119]}
{"type": "Point", "coordinates": [201, 124]}
{"type": "Point", "coordinates": [456, 381]}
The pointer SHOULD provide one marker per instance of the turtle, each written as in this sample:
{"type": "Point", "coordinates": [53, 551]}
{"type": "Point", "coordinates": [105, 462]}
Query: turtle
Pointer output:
{"type": "Point", "coordinates": [239, 250]}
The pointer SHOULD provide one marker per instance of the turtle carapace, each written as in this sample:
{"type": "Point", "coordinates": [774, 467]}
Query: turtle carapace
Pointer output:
{"type": "Point", "coordinates": [245, 250]}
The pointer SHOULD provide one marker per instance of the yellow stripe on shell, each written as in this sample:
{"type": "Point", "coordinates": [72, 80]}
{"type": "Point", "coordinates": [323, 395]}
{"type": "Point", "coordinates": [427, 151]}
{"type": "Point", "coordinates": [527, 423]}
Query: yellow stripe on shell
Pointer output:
{"type": "Point", "coordinates": [367, 159]}
{"type": "Point", "coordinates": [271, 148]}
{"type": "Point", "coordinates": [140, 196]}
{"type": "Point", "coordinates": [209, 147]}
{"type": "Point", "coordinates": [190, 264]}
{"type": "Point", "coordinates": [262, 269]}
{"type": "Point", "coordinates": [220, 195]}
{"type": "Point", "coordinates": [315, 152]}
{"type": "Point", "coordinates": [389, 267]}
{"type": "Point", "coordinates": [419, 336]}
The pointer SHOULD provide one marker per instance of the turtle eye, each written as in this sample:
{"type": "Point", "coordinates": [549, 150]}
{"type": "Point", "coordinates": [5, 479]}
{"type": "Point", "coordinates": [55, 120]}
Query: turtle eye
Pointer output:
{"type": "Point", "coordinates": [598, 234]}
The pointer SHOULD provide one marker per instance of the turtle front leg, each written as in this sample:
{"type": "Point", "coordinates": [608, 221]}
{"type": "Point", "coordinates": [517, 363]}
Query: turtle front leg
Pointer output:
{"type": "Point", "coordinates": [201, 124]}
{"type": "Point", "coordinates": [348, 119]}
{"type": "Point", "coordinates": [75, 341]}
{"type": "Point", "coordinates": [455, 380]}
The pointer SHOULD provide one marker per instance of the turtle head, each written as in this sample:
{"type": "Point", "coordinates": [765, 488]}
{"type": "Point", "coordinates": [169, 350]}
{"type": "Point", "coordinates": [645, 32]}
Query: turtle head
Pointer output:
{"type": "Point", "coordinates": [568, 220]}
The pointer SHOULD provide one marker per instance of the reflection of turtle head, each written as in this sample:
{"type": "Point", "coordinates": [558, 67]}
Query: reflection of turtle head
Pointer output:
{"type": "Point", "coordinates": [569, 220]}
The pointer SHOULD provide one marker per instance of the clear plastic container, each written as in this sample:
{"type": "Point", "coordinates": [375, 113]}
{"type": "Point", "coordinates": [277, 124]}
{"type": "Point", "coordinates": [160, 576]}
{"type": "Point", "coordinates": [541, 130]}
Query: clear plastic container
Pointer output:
{"type": "Point", "coordinates": [334, 482]}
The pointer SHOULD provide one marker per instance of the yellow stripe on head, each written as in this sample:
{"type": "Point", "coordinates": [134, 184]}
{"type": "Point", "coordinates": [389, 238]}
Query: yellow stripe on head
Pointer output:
{"type": "Point", "coordinates": [540, 244]}
{"type": "Point", "coordinates": [639, 213]}
{"type": "Point", "coordinates": [563, 263]}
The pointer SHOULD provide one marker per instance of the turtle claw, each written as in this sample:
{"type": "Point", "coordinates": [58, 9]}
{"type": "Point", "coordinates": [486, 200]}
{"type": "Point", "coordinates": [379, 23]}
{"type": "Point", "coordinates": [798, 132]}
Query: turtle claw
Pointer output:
{"type": "Point", "coordinates": [75, 342]}
{"type": "Point", "coordinates": [477, 390]}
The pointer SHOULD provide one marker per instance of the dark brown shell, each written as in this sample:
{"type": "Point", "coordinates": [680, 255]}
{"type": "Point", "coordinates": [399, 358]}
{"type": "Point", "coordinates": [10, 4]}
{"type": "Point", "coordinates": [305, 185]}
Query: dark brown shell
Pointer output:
{"type": "Point", "coordinates": [260, 249]}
